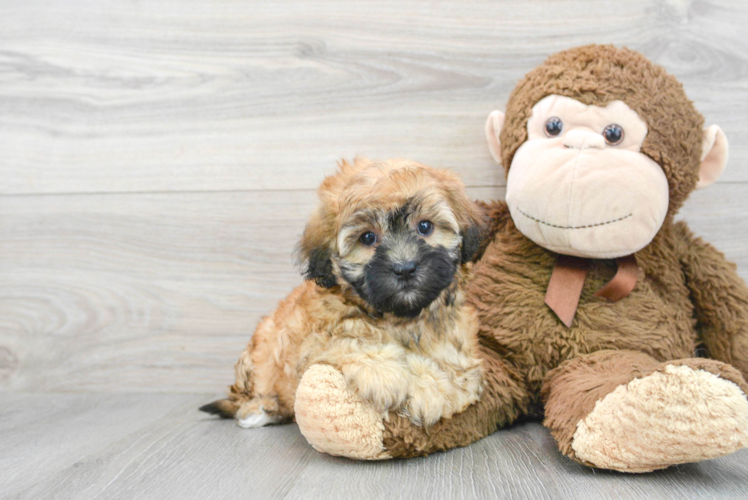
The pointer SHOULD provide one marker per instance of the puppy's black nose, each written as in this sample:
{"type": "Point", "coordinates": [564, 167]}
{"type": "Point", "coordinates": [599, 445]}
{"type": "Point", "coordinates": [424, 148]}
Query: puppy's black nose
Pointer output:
{"type": "Point", "coordinates": [405, 270]}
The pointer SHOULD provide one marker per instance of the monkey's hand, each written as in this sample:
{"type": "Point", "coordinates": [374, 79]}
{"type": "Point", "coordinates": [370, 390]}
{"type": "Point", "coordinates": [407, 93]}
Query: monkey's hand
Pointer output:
{"type": "Point", "coordinates": [720, 299]}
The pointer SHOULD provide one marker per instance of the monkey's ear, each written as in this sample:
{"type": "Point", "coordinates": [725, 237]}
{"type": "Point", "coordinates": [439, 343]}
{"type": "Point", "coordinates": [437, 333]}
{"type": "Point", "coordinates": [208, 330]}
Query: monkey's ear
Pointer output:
{"type": "Point", "coordinates": [713, 156]}
{"type": "Point", "coordinates": [493, 129]}
{"type": "Point", "coordinates": [314, 251]}
{"type": "Point", "coordinates": [471, 240]}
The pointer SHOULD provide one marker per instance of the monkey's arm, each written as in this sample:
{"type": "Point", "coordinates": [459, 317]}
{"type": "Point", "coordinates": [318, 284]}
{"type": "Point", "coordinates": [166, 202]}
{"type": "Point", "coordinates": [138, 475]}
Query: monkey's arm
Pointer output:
{"type": "Point", "coordinates": [720, 299]}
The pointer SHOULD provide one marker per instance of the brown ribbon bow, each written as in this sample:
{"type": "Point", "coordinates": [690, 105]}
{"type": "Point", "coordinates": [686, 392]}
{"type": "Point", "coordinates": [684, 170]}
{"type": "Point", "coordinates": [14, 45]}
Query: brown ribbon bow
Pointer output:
{"type": "Point", "coordinates": [567, 280]}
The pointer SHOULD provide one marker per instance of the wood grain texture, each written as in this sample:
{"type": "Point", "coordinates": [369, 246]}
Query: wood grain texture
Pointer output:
{"type": "Point", "coordinates": [183, 95]}
{"type": "Point", "coordinates": [157, 164]}
{"type": "Point", "coordinates": [142, 292]}
{"type": "Point", "coordinates": [149, 446]}
{"type": "Point", "coordinates": [160, 292]}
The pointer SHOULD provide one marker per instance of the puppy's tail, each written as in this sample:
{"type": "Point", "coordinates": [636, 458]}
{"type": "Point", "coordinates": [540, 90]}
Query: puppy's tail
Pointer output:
{"type": "Point", "coordinates": [240, 392]}
{"type": "Point", "coordinates": [227, 408]}
{"type": "Point", "coordinates": [224, 408]}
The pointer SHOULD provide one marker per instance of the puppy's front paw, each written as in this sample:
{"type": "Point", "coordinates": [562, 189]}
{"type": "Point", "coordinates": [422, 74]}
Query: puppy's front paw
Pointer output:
{"type": "Point", "coordinates": [433, 394]}
{"type": "Point", "coordinates": [334, 419]}
{"type": "Point", "coordinates": [378, 376]}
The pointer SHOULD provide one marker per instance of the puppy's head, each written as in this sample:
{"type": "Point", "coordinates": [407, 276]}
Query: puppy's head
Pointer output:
{"type": "Point", "coordinates": [393, 231]}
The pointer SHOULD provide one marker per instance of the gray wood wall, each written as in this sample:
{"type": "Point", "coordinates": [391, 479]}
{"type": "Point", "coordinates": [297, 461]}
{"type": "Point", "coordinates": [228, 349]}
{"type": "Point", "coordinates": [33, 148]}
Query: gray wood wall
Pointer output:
{"type": "Point", "coordinates": [158, 159]}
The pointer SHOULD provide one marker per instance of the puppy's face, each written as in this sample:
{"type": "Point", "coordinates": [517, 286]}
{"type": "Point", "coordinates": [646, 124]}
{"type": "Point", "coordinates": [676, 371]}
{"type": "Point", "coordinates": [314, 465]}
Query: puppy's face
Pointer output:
{"type": "Point", "coordinates": [399, 231]}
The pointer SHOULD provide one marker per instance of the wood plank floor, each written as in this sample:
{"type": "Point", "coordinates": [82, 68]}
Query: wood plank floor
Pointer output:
{"type": "Point", "coordinates": [155, 446]}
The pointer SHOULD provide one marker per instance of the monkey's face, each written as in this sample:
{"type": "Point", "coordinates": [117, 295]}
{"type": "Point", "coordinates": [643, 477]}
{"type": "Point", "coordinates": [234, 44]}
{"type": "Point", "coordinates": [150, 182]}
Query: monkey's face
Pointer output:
{"type": "Point", "coordinates": [400, 258]}
{"type": "Point", "coordinates": [580, 186]}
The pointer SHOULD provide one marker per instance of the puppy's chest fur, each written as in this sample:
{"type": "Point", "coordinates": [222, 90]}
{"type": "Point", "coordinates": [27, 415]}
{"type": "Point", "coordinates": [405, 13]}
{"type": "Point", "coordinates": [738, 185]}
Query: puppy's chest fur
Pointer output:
{"type": "Point", "coordinates": [444, 332]}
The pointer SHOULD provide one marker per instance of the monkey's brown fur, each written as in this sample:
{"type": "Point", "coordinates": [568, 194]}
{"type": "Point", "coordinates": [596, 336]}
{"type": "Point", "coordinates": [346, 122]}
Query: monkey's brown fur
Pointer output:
{"type": "Point", "coordinates": [422, 368]}
{"type": "Point", "coordinates": [687, 294]}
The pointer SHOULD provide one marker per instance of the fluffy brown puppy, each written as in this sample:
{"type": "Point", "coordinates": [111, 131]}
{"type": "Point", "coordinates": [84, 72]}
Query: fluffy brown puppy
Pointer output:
{"type": "Point", "coordinates": [591, 299]}
{"type": "Point", "coordinates": [386, 255]}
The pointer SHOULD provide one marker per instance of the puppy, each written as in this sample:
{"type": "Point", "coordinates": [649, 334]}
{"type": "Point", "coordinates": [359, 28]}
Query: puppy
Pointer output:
{"type": "Point", "coordinates": [386, 255]}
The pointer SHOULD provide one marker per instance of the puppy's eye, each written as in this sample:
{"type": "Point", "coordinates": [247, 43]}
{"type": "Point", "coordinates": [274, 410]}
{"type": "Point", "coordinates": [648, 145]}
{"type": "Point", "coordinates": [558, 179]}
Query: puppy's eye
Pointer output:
{"type": "Point", "coordinates": [368, 238]}
{"type": "Point", "coordinates": [425, 227]}
{"type": "Point", "coordinates": [613, 134]}
{"type": "Point", "coordinates": [553, 126]}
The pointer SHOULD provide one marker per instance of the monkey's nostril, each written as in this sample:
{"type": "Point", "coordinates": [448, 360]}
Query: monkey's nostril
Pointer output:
{"type": "Point", "coordinates": [405, 270]}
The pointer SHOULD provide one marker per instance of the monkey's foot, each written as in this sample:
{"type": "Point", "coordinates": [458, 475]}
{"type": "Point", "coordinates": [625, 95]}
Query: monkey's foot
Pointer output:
{"type": "Point", "coordinates": [335, 420]}
{"type": "Point", "coordinates": [676, 415]}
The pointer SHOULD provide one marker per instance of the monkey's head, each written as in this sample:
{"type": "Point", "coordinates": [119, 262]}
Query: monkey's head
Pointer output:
{"type": "Point", "coordinates": [601, 147]}
{"type": "Point", "coordinates": [393, 232]}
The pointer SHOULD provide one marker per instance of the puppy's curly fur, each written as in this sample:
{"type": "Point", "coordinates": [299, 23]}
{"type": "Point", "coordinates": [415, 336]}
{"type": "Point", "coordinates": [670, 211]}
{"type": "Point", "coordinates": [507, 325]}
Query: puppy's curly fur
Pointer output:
{"type": "Point", "coordinates": [386, 255]}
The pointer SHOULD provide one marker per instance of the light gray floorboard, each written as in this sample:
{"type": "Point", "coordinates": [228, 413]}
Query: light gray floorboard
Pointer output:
{"type": "Point", "coordinates": [105, 446]}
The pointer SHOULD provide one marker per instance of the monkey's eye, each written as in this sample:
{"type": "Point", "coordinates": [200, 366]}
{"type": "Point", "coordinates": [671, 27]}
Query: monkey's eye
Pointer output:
{"type": "Point", "coordinates": [553, 126]}
{"type": "Point", "coordinates": [613, 134]}
{"type": "Point", "coordinates": [368, 238]}
{"type": "Point", "coordinates": [425, 227]}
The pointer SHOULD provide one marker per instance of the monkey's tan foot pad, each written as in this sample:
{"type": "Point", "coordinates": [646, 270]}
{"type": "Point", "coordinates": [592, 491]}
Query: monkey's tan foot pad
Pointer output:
{"type": "Point", "coordinates": [335, 420]}
{"type": "Point", "coordinates": [675, 415]}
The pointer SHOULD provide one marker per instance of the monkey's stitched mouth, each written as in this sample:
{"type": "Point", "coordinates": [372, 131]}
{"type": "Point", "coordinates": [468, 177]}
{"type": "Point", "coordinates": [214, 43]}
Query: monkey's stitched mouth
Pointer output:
{"type": "Point", "coordinates": [587, 226]}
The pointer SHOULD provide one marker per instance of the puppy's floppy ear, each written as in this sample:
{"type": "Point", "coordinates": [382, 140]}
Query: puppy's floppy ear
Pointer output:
{"type": "Point", "coordinates": [315, 251]}
{"type": "Point", "coordinates": [319, 239]}
{"type": "Point", "coordinates": [470, 217]}
{"type": "Point", "coordinates": [471, 241]}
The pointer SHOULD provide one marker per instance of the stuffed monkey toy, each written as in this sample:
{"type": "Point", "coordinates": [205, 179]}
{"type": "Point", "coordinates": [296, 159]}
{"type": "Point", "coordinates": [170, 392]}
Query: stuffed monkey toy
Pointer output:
{"type": "Point", "coordinates": [592, 301]}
